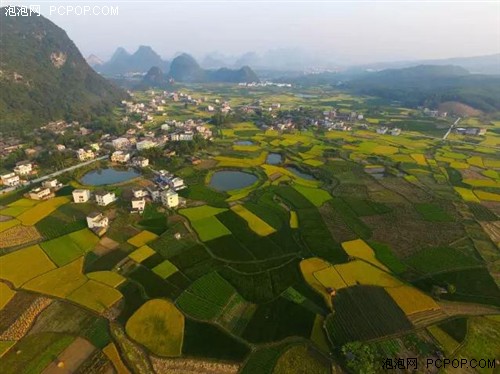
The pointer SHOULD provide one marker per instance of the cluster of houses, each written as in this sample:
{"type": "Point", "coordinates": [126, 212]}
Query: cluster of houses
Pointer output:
{"type": "Point", "coordinates": [264, 84]}
{"type": "Point", "coordinates": [22, 170]}
{"type": "Point", "coordinates": [46, 190]}
{"type": "Point", "coordinates": [394, 131]}
{"type": "Point", "coordinates": [473, 131]}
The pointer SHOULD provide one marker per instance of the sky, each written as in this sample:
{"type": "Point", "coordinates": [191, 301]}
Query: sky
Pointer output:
{"type": "Point", "coordinates": [353, 32]}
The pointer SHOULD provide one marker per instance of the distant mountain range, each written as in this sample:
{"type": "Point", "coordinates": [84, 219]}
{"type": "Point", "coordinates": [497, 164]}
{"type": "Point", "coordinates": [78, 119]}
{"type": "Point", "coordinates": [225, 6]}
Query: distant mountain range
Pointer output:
{"type": "Point", "coordinates": [430, 85]}
{"type": "Point", "coordinates": [183, 68]}
{"type": "Point", "coordinates": [44, 77]}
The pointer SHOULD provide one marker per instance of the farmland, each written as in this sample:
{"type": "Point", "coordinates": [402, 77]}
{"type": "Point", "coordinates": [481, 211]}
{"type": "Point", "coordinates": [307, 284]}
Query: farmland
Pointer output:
{"type": "Point", "coordinates": [354, 236]}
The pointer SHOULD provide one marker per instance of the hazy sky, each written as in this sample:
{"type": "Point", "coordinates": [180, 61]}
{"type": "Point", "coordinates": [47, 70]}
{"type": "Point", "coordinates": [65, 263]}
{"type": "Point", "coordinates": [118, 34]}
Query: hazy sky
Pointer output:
{"type": "Point", "coordinates": [348, 31]}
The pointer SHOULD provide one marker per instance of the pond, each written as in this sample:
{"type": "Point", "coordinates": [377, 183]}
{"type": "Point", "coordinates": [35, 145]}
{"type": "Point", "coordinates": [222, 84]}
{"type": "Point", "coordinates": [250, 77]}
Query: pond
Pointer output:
{"type": "Point", "coordinates": [274, 159]}
{"type": "Point", "coordinates": [100, 177]}
{"type": "Point", "coordinates": [243, 142]}
{"type": "Point", "coordinates": [227, 180]}
{"type": "Point", "coordinates": [299, 173]}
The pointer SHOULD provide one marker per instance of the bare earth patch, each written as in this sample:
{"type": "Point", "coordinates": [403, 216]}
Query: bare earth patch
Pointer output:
{"type": "Point", "coordinates": [71, 358]}
{"type": "Point", "coordinates": [189, 366]}
{"type": "Point", "coordinates": [22, 324]}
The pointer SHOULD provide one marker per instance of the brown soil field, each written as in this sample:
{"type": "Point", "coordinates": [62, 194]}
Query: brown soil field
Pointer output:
{"type": "Point", "coordinates": [71, 358]}
{"type": "Point", "coordinates": [22, 324]}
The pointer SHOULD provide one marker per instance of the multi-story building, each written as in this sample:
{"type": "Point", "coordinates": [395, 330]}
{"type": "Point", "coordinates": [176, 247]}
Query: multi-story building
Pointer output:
{"type": "Point", "coordinates": [11, 180]}
{"type": "Point", "coordinates": [85, 154]}
{"type": "Point", "coordinates": [40, 193]}
{"type": "Point", "coordinates": [169, 198]}
{"type": "Point", "coordinates": [104, 198]}
{"type": "Point", "coordinates": [81, 196]}
{"type": "Point", "coordinates": [120, 157]}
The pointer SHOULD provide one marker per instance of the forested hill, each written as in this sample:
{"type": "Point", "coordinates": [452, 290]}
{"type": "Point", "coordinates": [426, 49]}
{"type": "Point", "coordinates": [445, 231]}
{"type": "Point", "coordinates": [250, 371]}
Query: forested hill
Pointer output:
{"type": "Point", "coordinates": [44, 77]}
{"type": "Point", "coordinates": [431, 85]}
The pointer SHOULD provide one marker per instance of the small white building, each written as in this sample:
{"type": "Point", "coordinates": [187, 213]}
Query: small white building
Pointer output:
{"type": "Point", "coordinates": [140, 162]}
{"type": "Point", "coordinates": [120, 157]}
{"type": "Point", "coordinates": [104, 198]}
{"type": "Point", "coordinates": [52, 183]}
{"type": "Point", "coordinates": [40, 193]}
{"type": "Point", "coordinates": [23, 168]}
{"type": "Point", "coordinates": [138, 205]}
{"type": "Point", "coordinates": [395, 131]}
{"type": "Point", "coordinates": [120, 143]}
{"type": "Point", "coordinates": [11, 180]}
{"type": "Point", "coordinates": [145, 144]}
{"type": "Point", "coordinates": [177, 184]}
{"type": "Point", "coordinates": [85, 154]}
{"type": "Point", "coordinates": [98, 223]}
{"type": "Point", "coordinates": [81, 196]}
{"type": "Point", "coordinates": [169, 198]}
{"type": "Point", "coordinates": [382, 130]}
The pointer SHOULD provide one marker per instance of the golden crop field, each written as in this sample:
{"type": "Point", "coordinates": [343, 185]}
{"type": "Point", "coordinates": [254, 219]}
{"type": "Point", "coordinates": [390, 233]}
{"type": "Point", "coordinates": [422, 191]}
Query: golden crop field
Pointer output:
{"type": "Point", "coordinates": [419, 159]}
{"type": "Point", "coordinates": [107, 277]}
{"type": "Point", "coordinates": [359, 249]}
{"type": "Point", "coordinates": [112, 353]}
{"type": "Point", "coordinates": [225, 161]}
{"type": "Point", "coordinates": [24, 264]}
{"type": "Point", "coordinates": [359, 272]}
{"type": "Point", "coordinates": [329, 277]}
{"type": "Point", "coordinates": [255, 223]}
{"type": "Point", "coordinates": [200, 212]}
{"type": "Point", "coordinates": [310, 266]}
{"type": "Point", "coordinates": [411, 300]}
{"type": "Point", "coordinates": [273, 170]}
{"type": "Point", "coordinates": [41, 210]}
{"type": "Point", "coordinates": [142, 253]}
{"type": "Point", "coordinates": [5, 225]}
{"type": "Point", "coordinates": [5, 294]}
{"type": "Point", "coordinates": [476, 161]}
{"type": "Point", "coordinates": [467, 194]}
{"type": "Point", "coordinates": [159, 326]}
{"type": "Point", "coordinates": [142, 238]}
{"type": "Point", "coordinates": [59, 282]}
{"type": "Point", "coordinates": [294, 220]}
{"type": "Point", "coordinates": [95, 295]}
{"type": "Point", "coordinates": [487, 196]}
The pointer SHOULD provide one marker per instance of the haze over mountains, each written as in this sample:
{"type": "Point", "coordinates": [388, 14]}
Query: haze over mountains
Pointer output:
{"type": "Point", "coordinates": [283, 60]}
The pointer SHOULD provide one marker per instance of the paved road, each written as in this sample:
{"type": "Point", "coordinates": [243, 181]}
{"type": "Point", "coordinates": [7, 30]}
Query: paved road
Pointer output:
{"type": "Point", "coordinates": [56, 173]}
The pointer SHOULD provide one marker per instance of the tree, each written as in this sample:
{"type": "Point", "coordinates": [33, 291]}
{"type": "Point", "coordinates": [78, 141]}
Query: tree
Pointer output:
{"type": "Point", "coordinates": [360, 358]}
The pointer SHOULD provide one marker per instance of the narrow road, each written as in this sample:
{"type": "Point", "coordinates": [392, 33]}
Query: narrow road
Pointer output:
{"type": "Point", "coordinates": [56, 173]}
{"type": "Point", "coordinates": [451, 128]}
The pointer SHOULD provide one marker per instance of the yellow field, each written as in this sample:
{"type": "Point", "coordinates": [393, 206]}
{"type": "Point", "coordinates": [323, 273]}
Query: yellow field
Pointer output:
{"type": "Point", "coordinates": [112, 353]}
{"type": "Point", "coordinates": [95, 295]}
{"type": "Point", "coordinates": [59, 282]}
{"type": "Point", "coordinates": [142, 253]}
{"type": "Point", "coordinates": [329, 277]}
{"type": "Point", "coordinates": [411, 300]}
{"type": "Point", "coordinates": [159, 326]}
{"type": "Point", "coordinates": [24, 202]}
{"type": "Point", "coordinates": [5, 294]}
{"type": "Point", "coordinates": [241, 162]}
{"type": "Point", "coordinates": [308, 267]}
{"type": "Point", "coordinates": [109, 278]}
{"type": "Point", "coordinates": [257, 225]}
{"type": "Point", "coordinates": [448, 344]}
{"type": "Point", "coordinates": [476, 161]}
{"type": "Point", "coordinates": [294, 220]}
{"type": "Point", "coordinates": [313, 162]}
{"type": "Point", "coordinates": [142, 238]}
{"type": "Point", "coordinates": [42, 210]}
{"type": "Point", "coordinates": [419, 159]}
{"type": "Point", "coordinates": [482, 183]}
{"type": "Point", "coordinates": [467, 194]}
{"type": "Point", "coordinates": [489, 163]}
{"type": "Point", "coordinates": [359, 272]}
{"type": "Point", "coordinates": [487, 196]}
{"type": "Point", "coordinates": [246, 148]}
{"type": "Point", "coordinates": [272, 170]}
{"type": "Point", "coordinates": [359, 249]}
{"type": "Point", "coordinates": [18, 235]}
{"type": "Point", "coordinates": [4, 225]}
{"type": "Point", "coordinates": [20, 266]}
{"type": "Point", "coordinates": [459, 165]}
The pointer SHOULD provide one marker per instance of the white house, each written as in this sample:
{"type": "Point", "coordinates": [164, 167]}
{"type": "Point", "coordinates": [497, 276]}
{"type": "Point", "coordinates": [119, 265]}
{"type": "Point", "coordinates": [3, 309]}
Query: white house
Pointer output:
{"type": "Point", "coordinates": [23, 168]}
{"type": "Point", "coordinates": [169, 198]}
{"type": "Point", "coordinates": [140, 162]}
{"type": "Point", "coordinates": [11, 179]}
{"type": "Point", "coordinates": [51, 183]}
{"type": "Point", "coordinates": [120, 156]}
{"type": "Point", "coordinates": [98, 223]}
{"type": "Point", "coordinates": [40, 193]}
{"type": "Point", "coordinates": [395, 131]}
{"type": "Point", "coordinates": [138, 205]}
{"type": "Point", "coordinates": [104, 198]}
{"type": "Point", "coordinates": [165, 127]}
{"type": "Point", "coordinates": [177, 183]}
{"type": "Point", "coordinates": [81, 196]}
{"type": "Point", "coordinates": [120, 143]}
{"type": "Point", "coordinates": [145, 144]}
{"type": "Point", "coordinates": [382, 130]}
{"type": "Point", "coordinates": [85, 154]}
